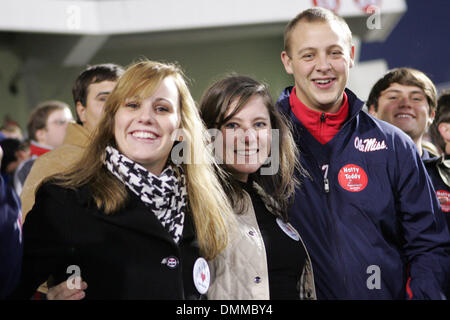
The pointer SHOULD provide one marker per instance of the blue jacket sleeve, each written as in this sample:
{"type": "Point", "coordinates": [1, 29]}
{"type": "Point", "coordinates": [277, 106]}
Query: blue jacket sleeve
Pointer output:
{"type": "Point", "coordinates": [426, 240]}
{"type": "Point", "coordinates": [10, 239]}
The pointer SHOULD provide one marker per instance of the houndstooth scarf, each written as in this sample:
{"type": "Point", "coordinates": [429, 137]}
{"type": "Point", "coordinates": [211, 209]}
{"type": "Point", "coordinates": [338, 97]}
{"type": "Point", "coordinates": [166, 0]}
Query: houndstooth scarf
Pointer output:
{"type": "Point", "coordinates": [165, 196]}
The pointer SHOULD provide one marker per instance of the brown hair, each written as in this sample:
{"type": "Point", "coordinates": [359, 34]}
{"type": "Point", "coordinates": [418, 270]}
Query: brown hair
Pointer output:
{"type": "Point", "coordinates": [208, 203]}
{"type": "Point", "coordinates": [316, 14]}
{"type": "Point", "coordinates": [213, 107]}
{"type": "Point", "coordinates": [93, 74]}
{"type": "Point", "coordinates": [406, 77]}
{"type": "Point", "coordinates": [442, 115]}
{"type": "Point", "coordinates": [39, 116]}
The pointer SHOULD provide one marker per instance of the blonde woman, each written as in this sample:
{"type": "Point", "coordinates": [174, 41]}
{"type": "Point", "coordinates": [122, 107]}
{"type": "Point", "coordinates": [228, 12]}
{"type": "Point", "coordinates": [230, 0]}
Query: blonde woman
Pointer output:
{"type": "Point", "coordinates": [128, 220]}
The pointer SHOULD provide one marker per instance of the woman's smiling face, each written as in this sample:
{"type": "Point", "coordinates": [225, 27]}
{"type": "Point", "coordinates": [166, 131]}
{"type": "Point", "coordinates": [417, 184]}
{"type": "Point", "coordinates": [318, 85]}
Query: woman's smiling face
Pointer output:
{"type": "Point", "coordinates": [143, 127]}
{"type": "Point", "coordinates": [246, 138]}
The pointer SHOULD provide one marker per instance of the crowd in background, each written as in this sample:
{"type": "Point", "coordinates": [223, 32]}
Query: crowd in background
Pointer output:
{"type": "Point", "coordinates": [352, 193]}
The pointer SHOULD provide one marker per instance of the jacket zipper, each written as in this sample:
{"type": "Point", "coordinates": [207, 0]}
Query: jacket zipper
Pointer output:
{"type": "Point", "coordinates": [322, 123]}
{"type": "Point", "coordinates": [326, 185]}
{"type": "Point", "coordinates": [322, 117]}
{"type": "Point", "coordinates": [335, 225]}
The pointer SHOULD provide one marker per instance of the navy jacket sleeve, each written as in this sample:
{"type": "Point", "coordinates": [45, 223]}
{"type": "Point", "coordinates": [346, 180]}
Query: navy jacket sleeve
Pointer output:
{"type": "Point", "coordinates": [426, 238]}
{"type": "Point", "coordinates": [10, 239]}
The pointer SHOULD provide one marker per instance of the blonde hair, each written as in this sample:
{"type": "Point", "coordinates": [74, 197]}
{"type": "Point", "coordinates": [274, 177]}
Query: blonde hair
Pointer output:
{"type": "Point", "coordinates": [208, 203]}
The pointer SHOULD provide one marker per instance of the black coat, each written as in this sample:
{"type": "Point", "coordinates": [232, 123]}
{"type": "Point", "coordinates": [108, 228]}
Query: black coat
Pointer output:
{"type": "Point", "coordinates": [124, 255]}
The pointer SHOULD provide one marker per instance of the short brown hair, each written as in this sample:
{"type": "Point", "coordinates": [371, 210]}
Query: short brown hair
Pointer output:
{"type": "Point", "coordinates": [39, 116]}
{"type": "Point", "coordinates": [316, 14]}
{"type": "Point", "coordinates": [93, 74]}
{"type": "Point", "coordinates": [406, 77]}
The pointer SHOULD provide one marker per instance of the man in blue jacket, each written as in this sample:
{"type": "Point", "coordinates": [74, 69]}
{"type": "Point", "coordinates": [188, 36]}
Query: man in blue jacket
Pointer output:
{"type": "Point", "coordinates": [10, 238]}
{"type": "Point", "coordinates": [367, 210]}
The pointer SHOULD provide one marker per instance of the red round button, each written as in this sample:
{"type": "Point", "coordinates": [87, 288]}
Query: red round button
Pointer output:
{"type": "Point", "coordinates": [444, 199]}
{"type": "Point", "coordinates": [352, 178]}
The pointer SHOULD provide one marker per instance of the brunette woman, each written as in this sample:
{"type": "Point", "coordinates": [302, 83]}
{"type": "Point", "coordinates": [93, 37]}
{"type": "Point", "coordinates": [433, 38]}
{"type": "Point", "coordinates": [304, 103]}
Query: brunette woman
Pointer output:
{"type": "Point", "coordinates": [266, 258]}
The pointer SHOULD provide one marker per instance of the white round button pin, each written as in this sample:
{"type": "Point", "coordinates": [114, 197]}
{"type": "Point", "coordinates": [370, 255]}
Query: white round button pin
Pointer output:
{"type": "Point", "coordinates": [202, 276]}
{"type": "Point", "coordinates": [288, 229]}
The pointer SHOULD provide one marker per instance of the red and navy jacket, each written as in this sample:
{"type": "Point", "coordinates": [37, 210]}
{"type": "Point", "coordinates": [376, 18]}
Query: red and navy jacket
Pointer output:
{"type": "Point", "coordinates": [367, 212]}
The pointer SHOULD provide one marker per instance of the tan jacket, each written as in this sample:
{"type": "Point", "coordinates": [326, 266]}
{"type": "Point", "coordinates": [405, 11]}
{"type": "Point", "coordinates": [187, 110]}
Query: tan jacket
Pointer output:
{"type": "Point", "coordinates": [55, 161]}
{"type": "Point", "coordinates": [240, 271]}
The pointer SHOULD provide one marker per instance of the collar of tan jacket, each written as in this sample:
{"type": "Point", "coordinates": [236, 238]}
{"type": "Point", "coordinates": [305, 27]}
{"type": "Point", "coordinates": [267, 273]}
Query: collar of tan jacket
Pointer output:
{"type": "Point", "coordinates": [77, 135]}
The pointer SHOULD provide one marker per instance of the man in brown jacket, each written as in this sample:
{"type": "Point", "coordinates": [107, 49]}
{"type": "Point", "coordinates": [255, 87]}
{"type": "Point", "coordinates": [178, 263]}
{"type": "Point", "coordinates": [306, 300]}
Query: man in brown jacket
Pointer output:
{"type": "Point", "coordinates": [90, 91]}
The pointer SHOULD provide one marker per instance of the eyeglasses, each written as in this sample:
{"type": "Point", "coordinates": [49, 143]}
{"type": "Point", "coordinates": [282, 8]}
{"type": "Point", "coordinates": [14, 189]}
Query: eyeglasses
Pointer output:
{"type": "Point", "coordinates": [61, 122]}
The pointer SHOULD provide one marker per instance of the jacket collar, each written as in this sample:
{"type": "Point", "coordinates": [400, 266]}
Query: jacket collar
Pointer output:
{"type": "Point", "coordinates": [355, 105]}
{"type": "Point", "coordinates": [307, 143]}
{"type": "Point", "coordinates": [38, 149]}
{"type": "Point", "coordinates": [77, 135]}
